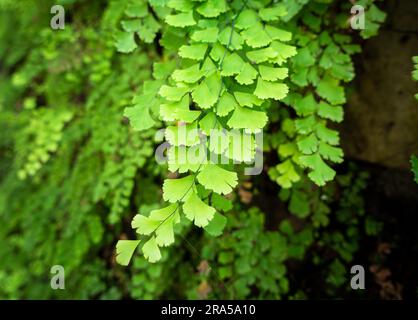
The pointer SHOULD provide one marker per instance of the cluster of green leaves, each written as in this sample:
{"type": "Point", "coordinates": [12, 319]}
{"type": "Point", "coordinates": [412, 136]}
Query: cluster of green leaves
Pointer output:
{"type": "Point", "coordinates": [373, 20]}
{"type": "Point", "coordinates": [342, 245]}
{"type": "Point", "coordinates": [230, 69]}
{"type": "Point", "coordinates": [317, 74]}
{"type": "Point", "coordinates": [74, 172]}
{"type": "Point", "coordinates": [43, 134]}
{"type": "Point", "coordinates": [70, 161]}
{"type": "Point", "coordinates": [248, 259]}
{"type": "Point", "coordinates": [248, 262]}
{"type": "Point", "coordinates": [331, 240]}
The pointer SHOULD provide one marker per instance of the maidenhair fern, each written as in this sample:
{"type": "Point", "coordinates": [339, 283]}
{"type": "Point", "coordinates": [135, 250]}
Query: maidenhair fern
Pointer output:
{"type": "Point", "coordinates": [318, 71]}
{"type": "Point", "coordinates": [235, 63]}
{"type": "Point", "coordinates": [80, 110]}
{"type": "Point", "coordinates": [231, 68]}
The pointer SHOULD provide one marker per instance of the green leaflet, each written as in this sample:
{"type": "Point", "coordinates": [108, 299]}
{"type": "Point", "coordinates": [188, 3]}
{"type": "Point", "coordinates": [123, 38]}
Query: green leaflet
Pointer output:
{"type": "Point", "coordinates": [334, 113]}
{"type": "Point", "coordinates": [143, 24]}
{"type": "Point", "coordinates": [262, 55]}
{"type": "Point", "coordinates": [226, 104]}
{"type": "Point", "coordinates": [328, 152]}
{"type": "Point", "coordinates": [195, 51]}
{"type": "Point", "coordinates": [145, 225]}
{"type": "Point", "coordinates": [139, 117]}
{"type": "Point", "coordinates": [256, 36]}
{"type": "Point", "coordinates": [269, 90]}
{"type": "Point", "coordinates": [273, 13]}
{"type": "Point", "coordinates": [173, 93]}
{"type": "Point", "coordinates": [207, 92]}
{"type": "Point", "coordinates": [272, 74]}
{"type": "Point", "coordinates": [198, 211]}
{"type": "Point", "coordinates": [181, 19]}
{"type": "Point", "coordinates": [305, 125]}
{"type": "Point", "coordinates": [180, 5]}
{"type": "Point", "coordinates": [287, 174]}
{"type": "Point", "coordinates": [327, 135]}
{"type": "Point", "coordinates": [308, 144]}
{"type": "Point", "coordinates": [305, 106]}
{"type": "Point", "coordinates": [245, 118]}
{"type": "Point", "coordinates": [182, 135]}
{"type": "Point", "coordinates": [136, 10]}
{"type": "Point", "coordinates": [151, 251]}
{"type": "Point", "coordinates": [216, 225]}
{"type": "Point", "coordinates": [241, 146]}
{"type": "Point", "coordinates": [178, 189]}
{"type": "Point", "coordinates": [161, 222]}
{"type": "Point", "coordinates": [321, 172]}
{"type": "Point", "coordinates": [220, 203]}
{"type": "Point", "coordinates": [233, 65]}
{"type": "Point", "coordinates": [125, 250]}
{"type": "Point", "coordinates": [209, 35]}
{"type": "Point", "coordinates": [209, 122]}
{"type": "Point", "coordinates": [215, 178]}
{"type": "Point", "coordinates": [246, 75]}
{"type": "Point", "coordinates": [190, 75]}
{"type": "Point", "coordinates": [230, 38]}
{"type": "Point", "coordinates": [211, 9]}
{"type": "Point", "coordinates": [247, 99]}
{"type": "Point", "coordinates": [178, 156]}
{"type": "Point", "coordinates": [299, 204]}
{"type": "Point", "coordinates": [125, 42]}
{"type": "Point", "coordinates": [330, 90]}
{"type": "Point", "coordinates": [179, 111]}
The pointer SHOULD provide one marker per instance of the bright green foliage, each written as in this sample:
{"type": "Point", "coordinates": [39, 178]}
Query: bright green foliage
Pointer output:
{"type": "Point", "coordinates": [70, 162]}
{"type": "Point", "coordinates": [322, 64]}
{"type": "Point", "coordinates": [139, 22]}
{"type": "Point", "coordinates": [246, 259]}
{"type": "Point", "coordinates": [43, 133]}
{"type": "Point", "coordinates": [79, 109]}
{"type": "Point", "coordinates": [237, 75]}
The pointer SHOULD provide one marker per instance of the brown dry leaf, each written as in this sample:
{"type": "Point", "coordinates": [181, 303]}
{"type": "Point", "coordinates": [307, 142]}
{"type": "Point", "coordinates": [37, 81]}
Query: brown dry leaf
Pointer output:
{"type": "Point", "coordinates": [247, 184]}
{"type": "Point", "coordinates": [204, 289]}
{"type": "Point", "coordinates": [172, 175]}
{"type": "Point", "coordinates": [123, 236]}
{"type": "Point", "coordinates": [204, 267]}
{"type": "Point", "coordinates": [383, 248]}
{"type": "Point", "coordinates": [388, 289]}
{"type": "Point", "coordinates": [245, 196]}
